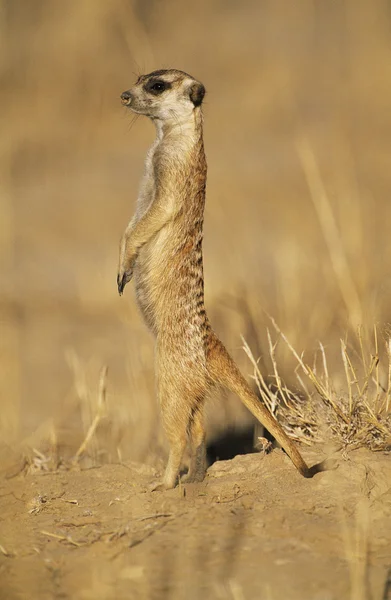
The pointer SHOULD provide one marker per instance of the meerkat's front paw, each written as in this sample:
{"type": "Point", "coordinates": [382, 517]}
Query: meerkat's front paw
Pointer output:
{"type": "Point", "coordinates": [125, 273]}
{"type": "Point", "coordinates": [123, 278]}
{"type": "Point", "coordinates": [127, 260]}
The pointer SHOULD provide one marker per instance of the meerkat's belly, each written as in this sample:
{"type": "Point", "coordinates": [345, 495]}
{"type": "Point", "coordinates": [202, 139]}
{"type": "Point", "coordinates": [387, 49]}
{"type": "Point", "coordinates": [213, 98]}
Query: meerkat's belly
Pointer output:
{"type": "Point", "coordinates": [150, 279]}
{"type": "Point", "coordinates": [168, 286]}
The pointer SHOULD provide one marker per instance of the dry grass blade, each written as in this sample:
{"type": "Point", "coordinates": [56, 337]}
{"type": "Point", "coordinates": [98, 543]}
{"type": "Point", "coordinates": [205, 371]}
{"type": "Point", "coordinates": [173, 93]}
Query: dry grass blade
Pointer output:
{"type": "Point", "coordinates": [322, 390]}
{"type": "Point", "coordinates": [348, 381]}
{"type": "Point", "coordinates": [266, 394]}
{"type": "Point", "coordinates": [368, 374]}
{"type": "Point", "coordinates": [100, 413]}
{"type": "Point", "coordinates": [330, 231]}
{"type": "Point", "coordinates": [155, 516]}
{"type": "Point", "coordinates": [325, 367]}
{"type": "Point", "coordinates": [272, 352]}
{"type": "Point", "coordinates": [388, 391]}
{"type": "Point", "coordinates": [297, 423]}
{"type": "Point", "coordinates": [378, 386]}
{"type": "Point", "coordinates": [62, 538]}
{"type": "Point", "coordinates": [291, 348]}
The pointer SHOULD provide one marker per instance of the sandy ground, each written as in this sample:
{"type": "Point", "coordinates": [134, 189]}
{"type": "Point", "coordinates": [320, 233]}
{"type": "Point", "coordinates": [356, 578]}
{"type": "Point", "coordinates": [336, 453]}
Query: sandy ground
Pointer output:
{"type": "Point", "coordinates": [253, 529]}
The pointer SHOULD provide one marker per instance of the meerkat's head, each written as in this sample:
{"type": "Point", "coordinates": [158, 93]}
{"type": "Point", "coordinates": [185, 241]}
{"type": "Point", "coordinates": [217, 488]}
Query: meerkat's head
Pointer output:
{"type": "Point", "coordinates": [168, 95]}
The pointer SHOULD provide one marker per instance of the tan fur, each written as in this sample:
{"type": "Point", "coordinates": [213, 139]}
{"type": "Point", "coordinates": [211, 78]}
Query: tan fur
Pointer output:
{"type": "Point", "coordinates": [162, 249]}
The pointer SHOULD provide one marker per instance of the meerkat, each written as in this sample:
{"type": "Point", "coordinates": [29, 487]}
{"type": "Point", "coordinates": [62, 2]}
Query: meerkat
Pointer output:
{"type": "Point", "coordinates": [161, 250]}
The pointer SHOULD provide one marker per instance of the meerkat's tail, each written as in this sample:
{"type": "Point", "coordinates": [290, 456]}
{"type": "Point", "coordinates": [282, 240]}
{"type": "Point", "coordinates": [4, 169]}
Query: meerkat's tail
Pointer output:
{"type": "Point", "coordinates": [224, 371]}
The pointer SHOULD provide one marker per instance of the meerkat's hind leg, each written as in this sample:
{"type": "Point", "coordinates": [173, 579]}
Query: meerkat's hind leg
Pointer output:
{"type": "Point", "coordinates": [175, 418]}
{"type": "Point", "coordinates": [182, 416]}
{"type": "Point", "coordinates": [197, 468]}
{"type": "Point", "coordinates": [177, 443]}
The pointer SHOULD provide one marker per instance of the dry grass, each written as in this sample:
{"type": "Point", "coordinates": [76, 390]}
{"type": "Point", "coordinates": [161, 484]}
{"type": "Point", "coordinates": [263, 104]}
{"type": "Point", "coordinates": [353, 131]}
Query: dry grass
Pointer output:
{"type": "Point", "coordinates": [354, 413]}
{"type": "Point", "coordinates": [296, 221]}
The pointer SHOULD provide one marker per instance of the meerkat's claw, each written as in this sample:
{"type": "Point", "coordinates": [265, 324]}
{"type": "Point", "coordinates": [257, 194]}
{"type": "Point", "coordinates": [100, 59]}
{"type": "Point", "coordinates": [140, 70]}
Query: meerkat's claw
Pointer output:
{"type": "Point", "coordinates": [158, 487]}
{"type": "Point", "coordinates": [121, 283]}
{"type": "Point", "coordinates": [122, 280]}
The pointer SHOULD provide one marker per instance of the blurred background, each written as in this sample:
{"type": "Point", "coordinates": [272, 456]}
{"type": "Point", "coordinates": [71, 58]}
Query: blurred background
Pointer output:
{"type": "Point", "coordinates": [297, 131]}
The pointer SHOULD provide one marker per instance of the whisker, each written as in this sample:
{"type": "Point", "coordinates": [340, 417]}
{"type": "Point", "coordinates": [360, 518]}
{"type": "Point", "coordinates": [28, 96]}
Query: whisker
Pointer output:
{"type": "Point", "coordinates": [132, 122]}
{"type": "Point", "coordinates": [138, 72]}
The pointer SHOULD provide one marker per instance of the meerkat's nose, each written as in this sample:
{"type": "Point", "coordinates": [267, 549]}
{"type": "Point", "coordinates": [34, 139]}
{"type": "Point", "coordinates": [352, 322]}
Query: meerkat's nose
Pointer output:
{"type": "Point", "coordinates": [126, 98]}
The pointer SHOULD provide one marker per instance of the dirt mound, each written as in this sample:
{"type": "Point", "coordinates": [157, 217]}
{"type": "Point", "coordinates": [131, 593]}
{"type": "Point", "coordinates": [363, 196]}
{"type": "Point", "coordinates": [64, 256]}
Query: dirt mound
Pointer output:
{"type": "Point", "coordinates": [254, 529]}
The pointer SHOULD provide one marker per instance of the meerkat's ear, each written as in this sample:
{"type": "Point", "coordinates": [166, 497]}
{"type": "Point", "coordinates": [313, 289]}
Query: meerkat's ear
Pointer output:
{"type": "Point", "coordinates": [197, 93]}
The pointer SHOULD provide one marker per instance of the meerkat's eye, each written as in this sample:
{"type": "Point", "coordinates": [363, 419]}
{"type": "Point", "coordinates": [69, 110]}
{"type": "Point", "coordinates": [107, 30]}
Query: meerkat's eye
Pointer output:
{"type": "Point", "coordinates": [157, 87]}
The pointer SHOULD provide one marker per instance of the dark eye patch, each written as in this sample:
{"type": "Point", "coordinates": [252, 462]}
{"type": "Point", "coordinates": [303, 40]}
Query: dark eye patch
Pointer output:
{"type": "Point", "coordinates": [157, 86]}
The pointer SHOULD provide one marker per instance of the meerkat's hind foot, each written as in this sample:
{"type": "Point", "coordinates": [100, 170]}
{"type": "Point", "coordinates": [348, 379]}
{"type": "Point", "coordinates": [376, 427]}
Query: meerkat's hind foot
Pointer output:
{"type": "Point", "coordinates": [197, 469]}
{"type": "Point", "coordinates": [171, 474]}
{"type": "Point", "coordinates": [160, 486]}
{"type": "Point", "coordinates": [195, 474]}
{"type": "Point", "coordinates": [197, 477]}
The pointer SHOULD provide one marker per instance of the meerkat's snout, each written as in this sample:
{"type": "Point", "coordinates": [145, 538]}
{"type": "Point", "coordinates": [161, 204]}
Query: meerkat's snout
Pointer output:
{"type": "Point", "coordinates": [126, 98]}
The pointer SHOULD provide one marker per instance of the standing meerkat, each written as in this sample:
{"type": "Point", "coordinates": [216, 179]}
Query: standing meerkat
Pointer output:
{"type": "Point", "coordinates": [162, 250]}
